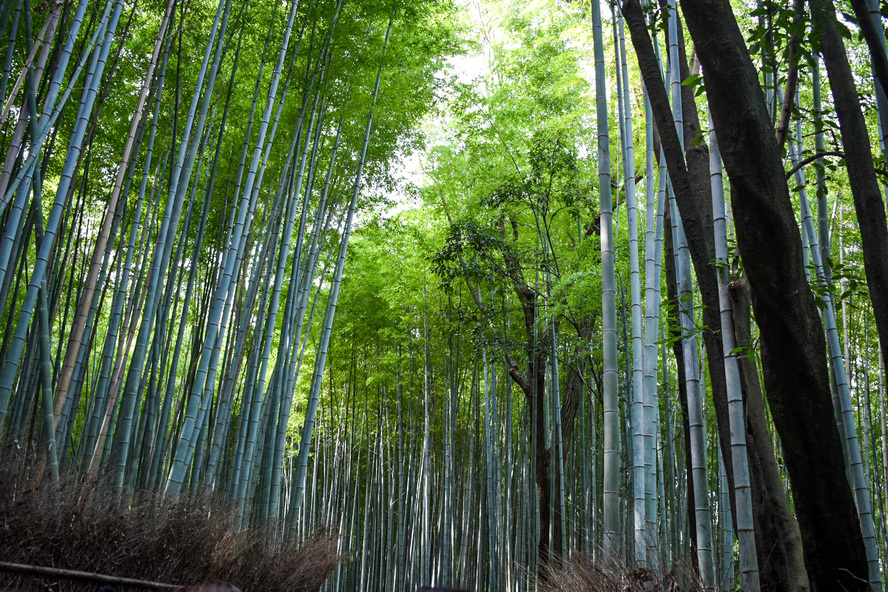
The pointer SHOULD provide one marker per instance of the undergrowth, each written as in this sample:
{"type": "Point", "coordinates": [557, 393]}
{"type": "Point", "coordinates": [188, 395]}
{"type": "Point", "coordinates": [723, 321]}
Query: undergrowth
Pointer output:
{"type": "Point", "coordinates": [78, 526]}
{"type": "Point", "coordinates": [585, 575]}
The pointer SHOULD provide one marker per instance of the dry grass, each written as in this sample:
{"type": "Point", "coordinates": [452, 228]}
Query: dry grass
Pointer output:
{"type": "Point", "coordinates": [82, 527]}
{"type": "Point", "coordinates": [583, 575]}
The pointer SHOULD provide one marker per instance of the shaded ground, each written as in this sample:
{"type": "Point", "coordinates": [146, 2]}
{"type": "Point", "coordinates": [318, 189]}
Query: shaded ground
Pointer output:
{"type": "Point", "coordinates": [83, 527]}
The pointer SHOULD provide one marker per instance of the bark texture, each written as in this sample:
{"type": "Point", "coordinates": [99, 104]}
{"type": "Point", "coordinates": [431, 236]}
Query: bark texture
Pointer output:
{"type": "Point", "coordinates": [693, 194]}
{"type": "Point", "coordinates": [697, 157]}
{"type": "Point", "coordinates": [778, 542]}
{"type": "Point", "coordinates": [859, 161]}
{"type": "Point", "coordinates": [793, 344]}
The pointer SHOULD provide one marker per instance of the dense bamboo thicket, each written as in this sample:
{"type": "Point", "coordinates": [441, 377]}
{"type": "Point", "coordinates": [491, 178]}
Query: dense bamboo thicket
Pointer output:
{"type": "Point", "coordinates": [179, 188]}
{"type": "Point", "coordinates": [509, 296]}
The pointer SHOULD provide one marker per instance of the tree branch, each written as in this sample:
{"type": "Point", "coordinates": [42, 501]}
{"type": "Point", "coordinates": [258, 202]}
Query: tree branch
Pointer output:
{"type": "Point", "coordinates": [70, 574]}
{"type": "Point", "coordinates": [806, 161]}
{"type": "Point", "coordinates": [514, 371]}
{"type": "Point", "coordinates": [792, 78]}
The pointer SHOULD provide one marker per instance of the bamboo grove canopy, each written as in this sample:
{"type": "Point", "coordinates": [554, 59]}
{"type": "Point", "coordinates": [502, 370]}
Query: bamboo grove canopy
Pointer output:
{"type": "Point", "coordinates": [627, 312]}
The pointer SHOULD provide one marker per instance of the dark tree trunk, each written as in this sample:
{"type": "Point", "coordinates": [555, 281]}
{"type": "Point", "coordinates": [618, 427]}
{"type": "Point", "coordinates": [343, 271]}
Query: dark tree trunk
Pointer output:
{"type": "Point", "coordinates": [774, 519]}
{"type": "Point", "coordinates": [689, 171]}
{"type": "Point", "coordinates": [549, 549]}
{"type": "Point", "coordinates": [697, 158]}
{"type": "Point", "coordinates": [871, 34]}
{"type": "Point", "coordinates": [859, 162]}
{"type": "Point", "coordinates": [537, 374]}
{"type": "Point", "coordinates": [793, 345]}
{"type": "Point", "coordinates": [678, 351]}
{"type": "Point", "coordinates": [777, 539]}
{"type": "Point", "coordinates": [571, 403]}
{"type": "Point", "coordinates": [533, 386]}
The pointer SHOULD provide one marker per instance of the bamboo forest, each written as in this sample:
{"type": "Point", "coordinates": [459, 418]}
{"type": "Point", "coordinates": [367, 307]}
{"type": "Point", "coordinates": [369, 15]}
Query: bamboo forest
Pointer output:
{"type": "Point", "coordinates": [479, 295]}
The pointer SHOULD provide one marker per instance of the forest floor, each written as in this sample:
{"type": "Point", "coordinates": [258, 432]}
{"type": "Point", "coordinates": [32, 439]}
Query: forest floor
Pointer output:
{"type": "Point", "coordinates": [584, 575]}
{"type": "Point", "coordinates": [77, 526]}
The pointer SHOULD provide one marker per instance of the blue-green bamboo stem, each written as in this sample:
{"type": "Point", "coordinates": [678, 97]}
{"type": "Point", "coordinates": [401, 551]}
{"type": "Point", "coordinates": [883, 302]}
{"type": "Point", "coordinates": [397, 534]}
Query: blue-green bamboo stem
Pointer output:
{"type": "Point", "coordinates": [736, 413]}
{"type": "Point", "coordinates": [298, 484]}
{"type": "Point", "coordinates": [611, 494]}
{"type": "Point", "coordinates": [13, 358]}
{"type": "Point", "coordinates": [180, 177]}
